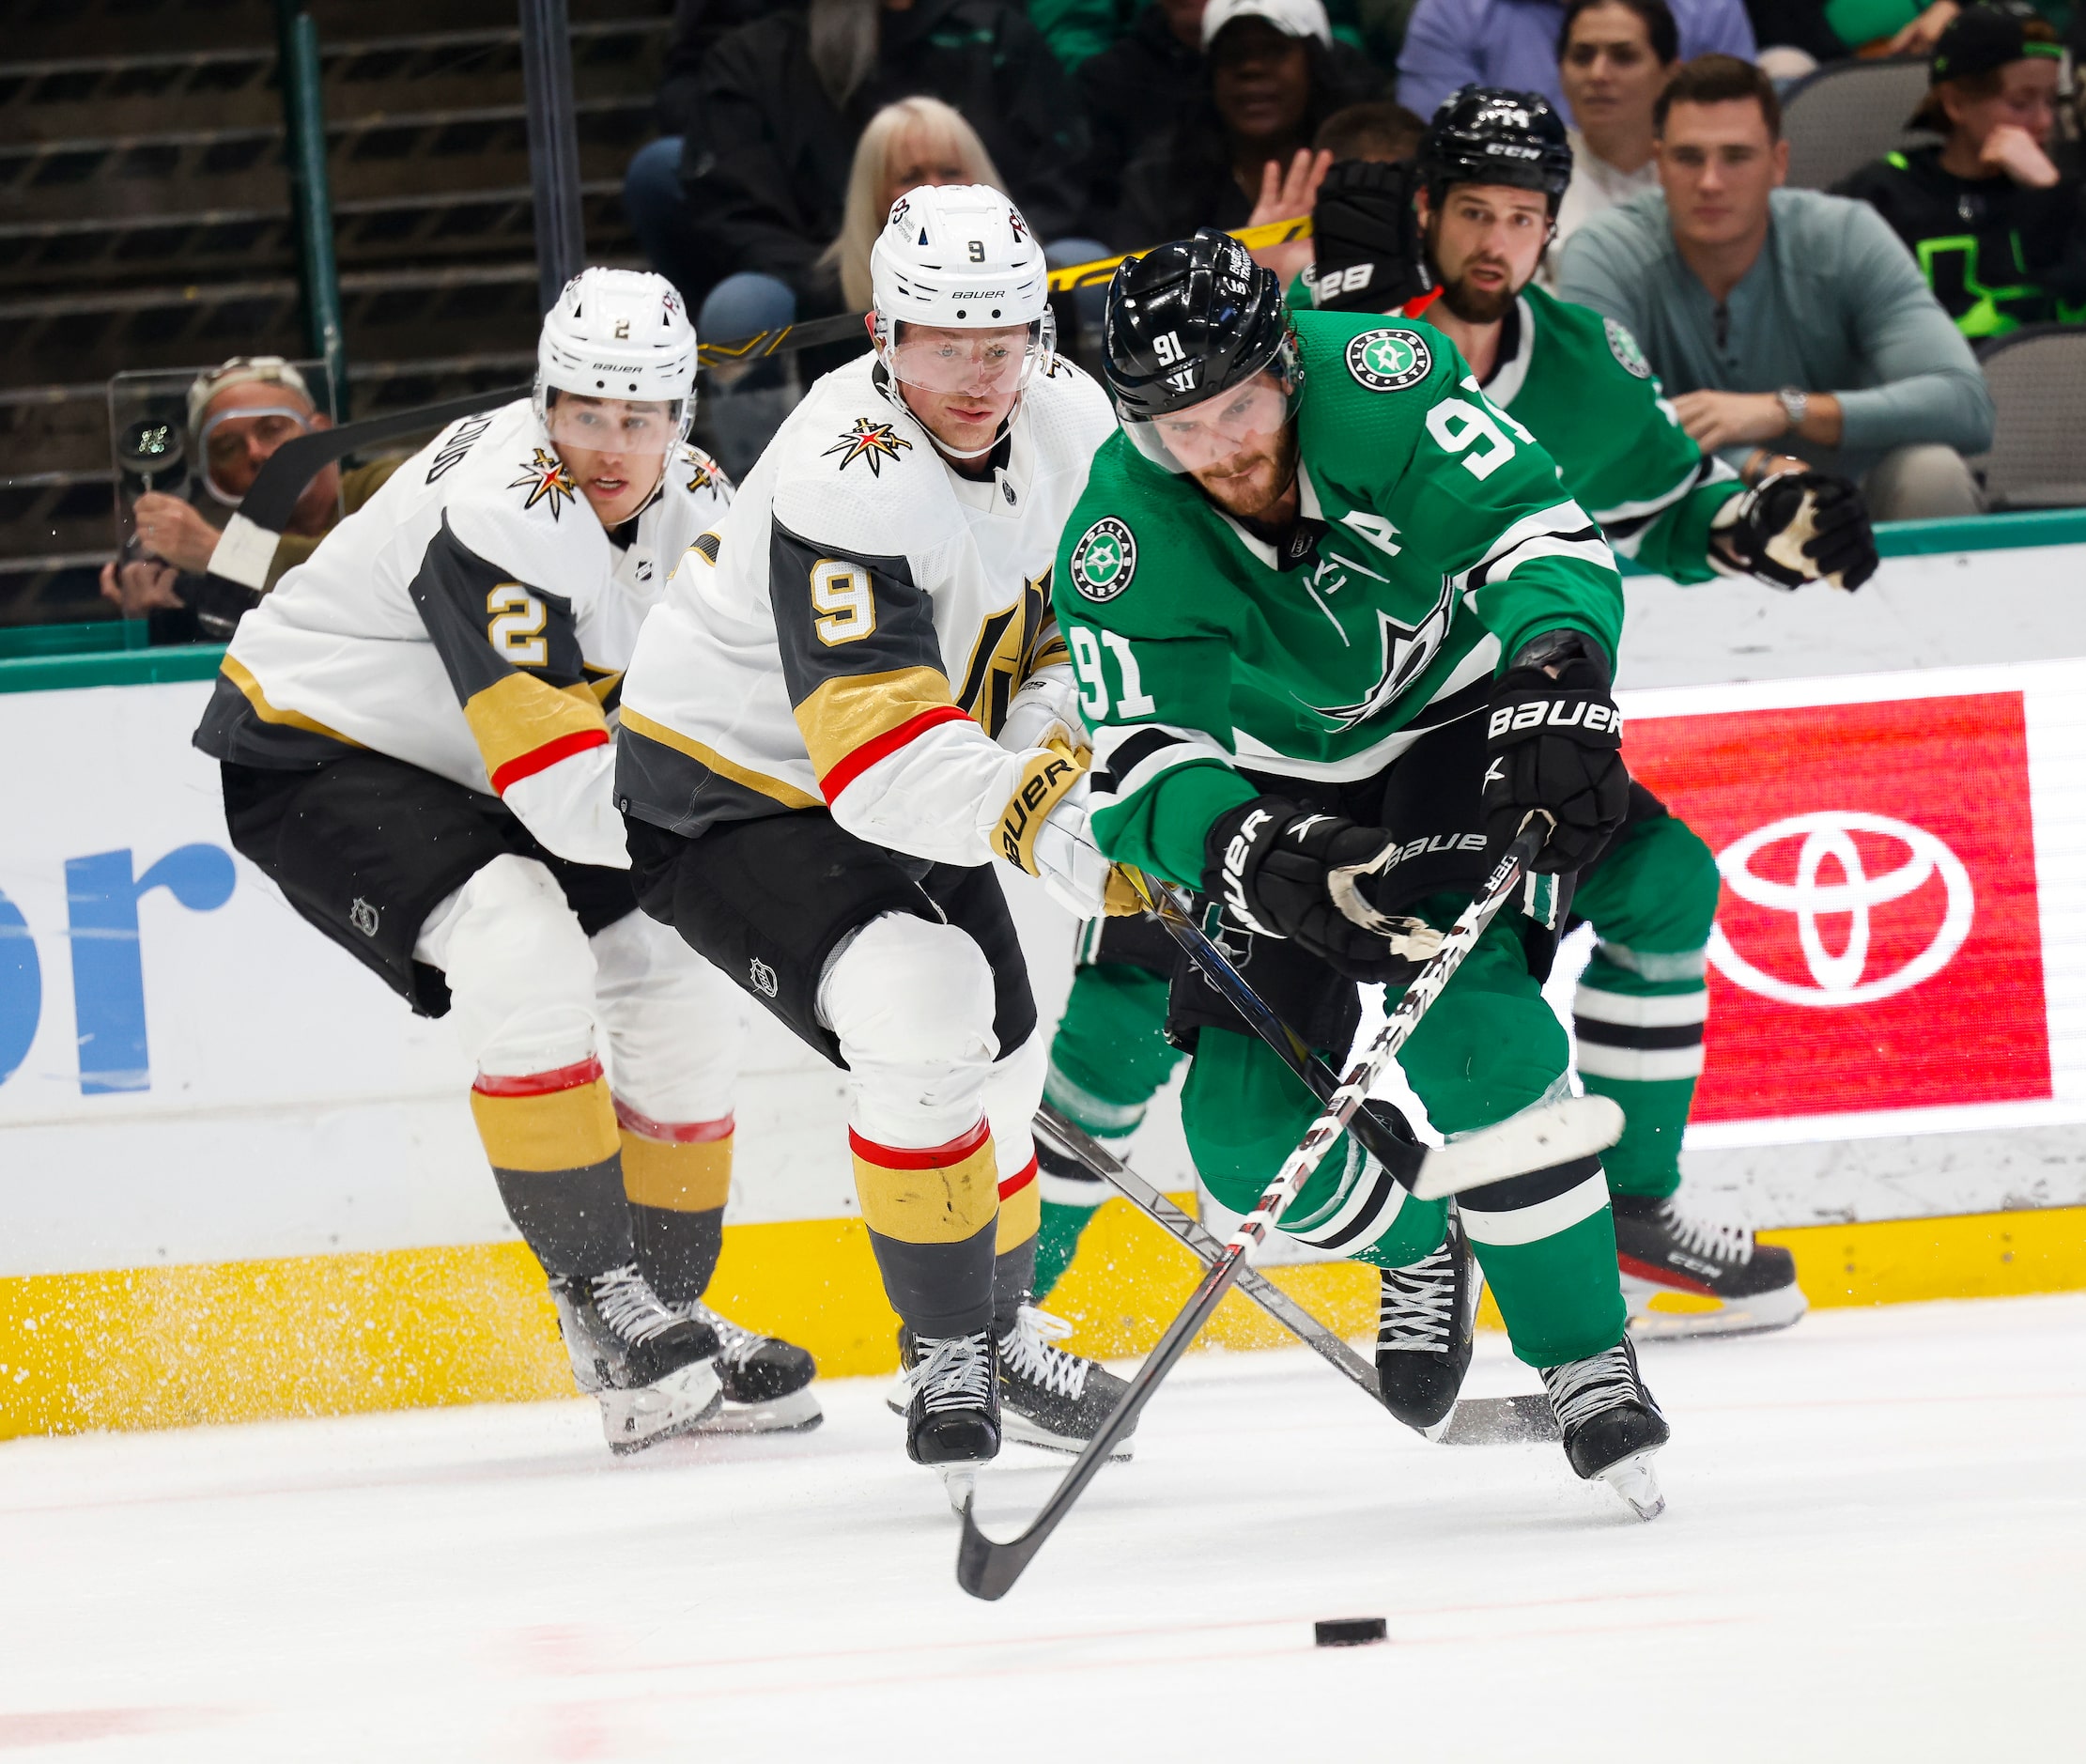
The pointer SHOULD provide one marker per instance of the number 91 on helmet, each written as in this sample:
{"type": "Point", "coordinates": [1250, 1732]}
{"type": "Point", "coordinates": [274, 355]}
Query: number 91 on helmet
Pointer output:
{"type": "Point", "coordinates": [1197, 352]}
{"type": "Point", "coordinates": [616, 365]}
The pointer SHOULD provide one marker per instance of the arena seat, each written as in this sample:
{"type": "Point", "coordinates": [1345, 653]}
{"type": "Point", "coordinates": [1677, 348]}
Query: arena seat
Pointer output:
{"type": "Point", "coordinates": [1839, 118]}
{"type": "Point", "coordinates": [2038, 456]}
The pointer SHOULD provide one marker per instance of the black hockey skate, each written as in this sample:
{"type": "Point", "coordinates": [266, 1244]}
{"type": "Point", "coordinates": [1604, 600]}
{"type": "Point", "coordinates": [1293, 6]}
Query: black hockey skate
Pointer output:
{"type": "Point", "coordinates": [953, 1418]}
{"type": "Point", "coordinates": [1053, 1398]}
{"type": "Point", "coordinates": [653, 1370]}
{"type": "Point", "coordinates": [1425, 1331]}
{"type": "Point", "coordinates": [767, 1380]}
{"type": "Point", "coordinates": [1684, 1275]}
{"type": "Point", "coordinates": [1612, 1424]}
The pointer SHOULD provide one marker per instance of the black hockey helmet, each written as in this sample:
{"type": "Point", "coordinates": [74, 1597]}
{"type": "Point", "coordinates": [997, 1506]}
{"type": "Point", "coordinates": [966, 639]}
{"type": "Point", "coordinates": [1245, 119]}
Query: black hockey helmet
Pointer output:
{"type": "Point", "coordinates": [1483, 134]}
{"type": "Point", "coordinates": [1187, 320]}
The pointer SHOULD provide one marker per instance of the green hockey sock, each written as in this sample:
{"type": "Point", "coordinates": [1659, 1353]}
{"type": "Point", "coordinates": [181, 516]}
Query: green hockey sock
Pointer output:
{"type": "Point", "coordinates": [1557, 1293]}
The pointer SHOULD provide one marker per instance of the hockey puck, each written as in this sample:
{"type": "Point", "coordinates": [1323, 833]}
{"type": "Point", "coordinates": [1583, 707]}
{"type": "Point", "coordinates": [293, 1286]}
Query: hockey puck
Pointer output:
{"type": "Point", "coordinates": [1350, 1631]}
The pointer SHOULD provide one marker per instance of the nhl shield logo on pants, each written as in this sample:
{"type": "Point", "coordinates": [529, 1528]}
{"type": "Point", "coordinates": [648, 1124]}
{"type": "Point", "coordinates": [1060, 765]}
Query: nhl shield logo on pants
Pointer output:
{"type": "Point", "coordinates": [1879, 943]}
{"type": "Point", "coordinates": [763, 976]}
{"type": "Point", "coordinates": [364, 917]}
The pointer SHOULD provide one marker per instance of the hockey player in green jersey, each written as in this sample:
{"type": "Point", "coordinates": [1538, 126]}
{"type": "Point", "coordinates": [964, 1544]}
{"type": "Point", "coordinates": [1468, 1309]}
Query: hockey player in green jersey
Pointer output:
{"type": "Point", "coordinates": [1339, 633]}
{"type": "Point", "coordinates": [1490, 173]}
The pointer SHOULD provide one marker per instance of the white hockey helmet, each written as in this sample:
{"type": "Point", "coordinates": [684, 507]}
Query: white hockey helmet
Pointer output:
{"type": "Point", "coordinates": [958, 257]}
{"type": "Point", "coordinates": [623, 336]}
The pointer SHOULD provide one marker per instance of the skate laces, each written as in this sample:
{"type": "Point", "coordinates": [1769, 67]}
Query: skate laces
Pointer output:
{"type": "Point", "coordinates": [1419, 1311]}
{"type": "Point", "coordinates": [1580, 1389]}
{"type": "Point", "coordinates": [628, 1305]}
{"type": "Point", "coordinates": [1709, 1238]}
{"type": "Point", "coordinates": [952, 1372]}
{"type": "Point", "coordinates": [737, 1346]}
{"type": "Point", "coordinates": [1028, 1354]}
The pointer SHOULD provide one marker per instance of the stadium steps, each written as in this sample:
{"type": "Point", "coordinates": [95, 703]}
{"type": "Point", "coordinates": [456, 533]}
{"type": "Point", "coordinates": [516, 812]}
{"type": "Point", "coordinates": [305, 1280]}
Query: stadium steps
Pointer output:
{"type": "Point", "coordinates": [145, 220]}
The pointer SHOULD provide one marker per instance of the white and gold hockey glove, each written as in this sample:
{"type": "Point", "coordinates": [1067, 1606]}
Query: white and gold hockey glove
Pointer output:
{"type": "Point", "coordinates": [1043, 831]}
{"type": "Point", "coordinates": [1044, 710]}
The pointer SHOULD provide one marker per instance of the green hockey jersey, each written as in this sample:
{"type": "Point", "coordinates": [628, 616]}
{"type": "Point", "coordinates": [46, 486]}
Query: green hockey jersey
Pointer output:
{"type": "Point", "coordinates": [1434, 539]}
{"type": "Point", "coordinates": [1583, 387]}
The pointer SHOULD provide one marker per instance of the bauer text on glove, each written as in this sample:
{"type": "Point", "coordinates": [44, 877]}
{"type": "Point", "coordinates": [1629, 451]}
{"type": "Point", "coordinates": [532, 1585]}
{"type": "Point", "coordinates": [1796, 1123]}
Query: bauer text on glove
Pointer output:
{"type": "Point", "coordinates": [1553, 743]}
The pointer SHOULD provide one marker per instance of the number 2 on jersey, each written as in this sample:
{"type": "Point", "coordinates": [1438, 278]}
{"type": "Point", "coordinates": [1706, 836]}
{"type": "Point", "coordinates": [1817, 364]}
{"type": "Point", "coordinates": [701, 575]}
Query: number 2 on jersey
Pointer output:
{"type": "Point", "coordinates": [518, 620]}
{"type": "Point", "coordinates": [842, 594]}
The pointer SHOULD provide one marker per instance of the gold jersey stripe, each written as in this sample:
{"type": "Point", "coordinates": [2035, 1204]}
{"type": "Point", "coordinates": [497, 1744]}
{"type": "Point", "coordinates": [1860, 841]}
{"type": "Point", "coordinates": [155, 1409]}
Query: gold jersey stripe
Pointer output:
{"type": "Point", "coordinates": [854, 710]}
{"type": "Point", "coordinates": [775, 789]}
{"type": "Point", "coordinates": [242, 678]}
{"type": "Point", "coordinates": [695, 1178]}
{"type": "Point", "coordinates": [564, 1130]}
{"type": "Point", "coordinates": [949, 1203]}
{"type": "Point", "coordinates": [515, 716]}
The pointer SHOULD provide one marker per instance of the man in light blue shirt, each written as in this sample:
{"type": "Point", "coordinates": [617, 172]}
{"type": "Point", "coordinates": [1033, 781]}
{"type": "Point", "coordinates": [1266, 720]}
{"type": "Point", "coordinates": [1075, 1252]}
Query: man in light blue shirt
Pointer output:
{"type": "Point", "coordinates": [1782, 322]}
{"type": "Point", "coordinates": [1513, 43]}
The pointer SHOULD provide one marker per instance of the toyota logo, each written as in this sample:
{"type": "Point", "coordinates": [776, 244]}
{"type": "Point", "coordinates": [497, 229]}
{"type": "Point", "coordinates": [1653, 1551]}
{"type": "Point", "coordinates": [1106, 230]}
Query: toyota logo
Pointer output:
{"type": "Point", "coordinates": [1829, 835]}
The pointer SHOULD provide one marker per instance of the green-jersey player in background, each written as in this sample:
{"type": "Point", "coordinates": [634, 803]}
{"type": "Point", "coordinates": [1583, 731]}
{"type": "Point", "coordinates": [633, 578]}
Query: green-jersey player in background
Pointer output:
{"type": "Point", "coordinates": [1492, 168]}
{"type": "Point", "coordinates": [1339, 632]}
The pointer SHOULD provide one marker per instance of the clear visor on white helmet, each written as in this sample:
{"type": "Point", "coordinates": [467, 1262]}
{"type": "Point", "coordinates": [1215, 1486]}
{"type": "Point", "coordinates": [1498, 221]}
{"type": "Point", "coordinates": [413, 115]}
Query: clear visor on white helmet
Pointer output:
{"type": "Point", "coordinates": [614, 426]}
{"type": "Point", "coordinates": [988, 362]}
{"type": "Point", "coordinates": [1240, 423]}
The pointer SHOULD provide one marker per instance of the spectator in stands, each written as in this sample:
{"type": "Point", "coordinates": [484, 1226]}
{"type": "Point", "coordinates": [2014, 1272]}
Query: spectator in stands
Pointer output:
{"type": "Point", "coordinates": [2000, 232]}
{"type": "Point", "coordinates": [1382, 134]}
{"type": "Point", "coordinates": [1154, 78]}
{"type": "Point", "coordinates": [237, 415]}
{"type": "Point", "coordinates": [1613, 59]}
{"type": "Point", "coordinates": [652, 195]}
{"type": "Point", "coordinates": [780, 103]}
{"type": "Point", "coordinates": [914, 141]}
{"type": "Point", "coordinates": [1751, 300]}
{"type": "Point", "coordinates": [1513, 43]}
{"type": "Point", "coordinates": [1243, 156]}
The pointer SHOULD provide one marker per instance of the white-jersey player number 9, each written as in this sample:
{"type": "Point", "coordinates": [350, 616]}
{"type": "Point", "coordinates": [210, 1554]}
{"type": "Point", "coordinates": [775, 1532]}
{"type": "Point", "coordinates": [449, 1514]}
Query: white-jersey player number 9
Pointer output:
{"type": "Point", "coordinates": [518, 620]}
{"type": "Point", "coordinates": [841, 593]}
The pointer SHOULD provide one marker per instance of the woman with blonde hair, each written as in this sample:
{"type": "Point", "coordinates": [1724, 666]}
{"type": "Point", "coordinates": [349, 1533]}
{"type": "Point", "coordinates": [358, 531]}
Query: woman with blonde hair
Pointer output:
{"type": "Point", "coordinates": [914, 141]}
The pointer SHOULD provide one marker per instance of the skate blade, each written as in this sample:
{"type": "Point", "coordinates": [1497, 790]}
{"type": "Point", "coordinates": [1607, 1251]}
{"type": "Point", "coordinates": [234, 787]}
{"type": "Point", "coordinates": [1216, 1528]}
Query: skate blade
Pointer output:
{"type": "Point", "coordinates": [798, 1412]}
{"type": "Point", "coordinates": [1576, 1127]}
{"type": "Point", "coordinates": [1752, 1316]}
{"type": "Point", "coordinates": [1023, 1432]}
{"type": "Point", "coordinates": [678, 1403]}
{"type": "Point", "coordinates": [1632, 1477]}
{"type": "Point", "coordinates": [960, 1483]}
{"type": "Point", "coordinates": [1500, 1421]}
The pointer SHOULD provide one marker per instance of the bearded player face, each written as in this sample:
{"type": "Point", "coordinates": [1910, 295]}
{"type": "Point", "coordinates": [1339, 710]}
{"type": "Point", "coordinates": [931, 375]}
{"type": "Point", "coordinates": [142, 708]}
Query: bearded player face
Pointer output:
{"type": "Point", "coordinates": [1485, 243]}
{"type": "Point", "coordinates": [1240, 446]}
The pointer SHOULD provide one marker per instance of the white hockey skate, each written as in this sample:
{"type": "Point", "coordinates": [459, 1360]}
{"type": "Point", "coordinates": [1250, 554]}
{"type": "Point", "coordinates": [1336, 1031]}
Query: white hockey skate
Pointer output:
{"type": "Point", "coordinates": [652, 1371]}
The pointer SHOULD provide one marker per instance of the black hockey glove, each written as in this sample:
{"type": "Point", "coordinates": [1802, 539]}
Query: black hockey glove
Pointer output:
{"type": "Point", "coordinates": [1797, 527]}
{"type": "Point", "coordinates": [1554, 742]}
{"type": "Point", "coordinates": [1366, 239]}
{"type": "Point", "coordinates": [1286, 872]}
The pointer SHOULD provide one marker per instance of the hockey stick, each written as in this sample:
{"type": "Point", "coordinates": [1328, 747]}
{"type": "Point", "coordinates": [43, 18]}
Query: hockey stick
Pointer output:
{"type": "Point", "coordinates": [1479, 1420]}
{"type": "Point", "coordinates": [1572, 1127]}
{"type": "Point", "coordinates": [986, 1568]}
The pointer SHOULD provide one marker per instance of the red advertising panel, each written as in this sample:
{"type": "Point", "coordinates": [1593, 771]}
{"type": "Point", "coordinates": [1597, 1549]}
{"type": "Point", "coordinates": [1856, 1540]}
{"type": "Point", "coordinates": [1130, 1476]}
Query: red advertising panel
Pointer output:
{"type": "Point", "coordinates": [1877, 945]}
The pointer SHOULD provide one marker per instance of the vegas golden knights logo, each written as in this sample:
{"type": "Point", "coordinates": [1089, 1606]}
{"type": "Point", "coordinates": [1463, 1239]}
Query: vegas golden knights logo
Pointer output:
{"type": "Point", "coordinates": [1001, 657]}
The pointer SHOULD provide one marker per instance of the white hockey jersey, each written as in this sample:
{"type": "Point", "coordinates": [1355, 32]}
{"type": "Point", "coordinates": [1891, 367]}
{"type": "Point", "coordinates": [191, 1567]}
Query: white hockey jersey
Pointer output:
{"type": "Point", "coordinates": [473, 619]}
{"type": "Point", "coordinates": [850, 634]}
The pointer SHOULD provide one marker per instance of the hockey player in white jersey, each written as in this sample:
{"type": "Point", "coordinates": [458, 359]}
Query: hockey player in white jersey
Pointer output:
{"type": "Point", "coordinates": [818, 801]}
{"type": "Point", "coordinates": [414, 736]}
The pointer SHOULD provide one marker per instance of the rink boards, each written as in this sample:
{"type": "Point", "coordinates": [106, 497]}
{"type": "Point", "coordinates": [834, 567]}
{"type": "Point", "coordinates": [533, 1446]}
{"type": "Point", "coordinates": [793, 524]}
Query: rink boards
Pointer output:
{"type": "Point", "coordinates": [238, 1178]}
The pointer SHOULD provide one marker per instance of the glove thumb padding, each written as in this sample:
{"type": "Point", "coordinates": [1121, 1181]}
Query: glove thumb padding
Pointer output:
{"type": "Point", "coordinates": [1554, 744]}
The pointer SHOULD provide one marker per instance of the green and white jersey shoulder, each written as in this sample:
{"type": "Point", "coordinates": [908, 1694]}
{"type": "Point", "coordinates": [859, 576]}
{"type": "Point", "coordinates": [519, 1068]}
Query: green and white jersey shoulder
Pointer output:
{"type": "Point", "coordinates": [1582, 385]}
{"type": "Point", "coordinates": [1435, 538]}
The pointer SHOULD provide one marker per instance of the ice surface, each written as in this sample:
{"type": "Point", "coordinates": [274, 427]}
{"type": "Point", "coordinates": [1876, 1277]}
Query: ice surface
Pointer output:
{"type": "Point", "coordinates": [1874, 1548]}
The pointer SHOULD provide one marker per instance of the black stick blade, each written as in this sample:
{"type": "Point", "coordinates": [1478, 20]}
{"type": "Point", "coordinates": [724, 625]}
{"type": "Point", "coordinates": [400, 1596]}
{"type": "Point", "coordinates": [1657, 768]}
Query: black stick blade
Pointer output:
{"type": "Point", "coordinates": [986, 1569]}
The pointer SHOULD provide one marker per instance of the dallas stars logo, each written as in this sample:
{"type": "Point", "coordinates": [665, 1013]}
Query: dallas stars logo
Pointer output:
{"type": "Point", "coordinates": [1407, 652]}
{"type": "Point", "coordinates": [1104, 560]}
{"type": "Point", "coordinates": [1388, 361]}
{"type": "Point", "coordinates": [870, 441]}
{"type": "Point", "coordinates": [544, 475]}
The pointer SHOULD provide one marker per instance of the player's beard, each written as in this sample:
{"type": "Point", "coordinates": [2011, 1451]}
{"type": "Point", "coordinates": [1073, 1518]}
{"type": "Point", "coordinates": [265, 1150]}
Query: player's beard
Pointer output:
{"type": "Point", "coordinates": [1473, 306]}
{"type": "Point", "coordinates": [1257, 482]}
